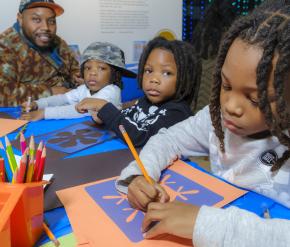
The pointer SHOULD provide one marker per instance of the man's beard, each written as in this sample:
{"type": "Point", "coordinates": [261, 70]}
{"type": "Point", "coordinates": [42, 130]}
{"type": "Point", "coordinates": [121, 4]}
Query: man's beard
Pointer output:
{"type": "Point", "coordinates": [40, 48]}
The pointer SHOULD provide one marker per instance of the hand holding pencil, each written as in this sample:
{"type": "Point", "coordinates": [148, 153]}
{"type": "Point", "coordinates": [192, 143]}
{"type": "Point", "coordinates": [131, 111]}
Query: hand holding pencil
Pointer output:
{"type": "Point", "coordinates": [142, 190]}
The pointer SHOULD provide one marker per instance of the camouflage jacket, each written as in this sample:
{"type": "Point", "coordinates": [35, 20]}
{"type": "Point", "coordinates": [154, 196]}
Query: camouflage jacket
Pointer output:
{"type": "Point", "coordinates": [25, 71]}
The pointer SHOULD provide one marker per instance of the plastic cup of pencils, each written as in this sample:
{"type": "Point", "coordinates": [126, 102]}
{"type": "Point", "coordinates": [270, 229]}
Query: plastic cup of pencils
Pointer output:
{"type": "Point", "coordinates": [21, 213]}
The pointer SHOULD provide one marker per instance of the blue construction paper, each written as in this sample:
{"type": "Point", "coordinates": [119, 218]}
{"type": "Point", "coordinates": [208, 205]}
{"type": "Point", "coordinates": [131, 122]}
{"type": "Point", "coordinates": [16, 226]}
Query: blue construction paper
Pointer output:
{"type": "Point", "coordinates": [129, 220]}
{"type": "Point", "coordinates": [74, 138]}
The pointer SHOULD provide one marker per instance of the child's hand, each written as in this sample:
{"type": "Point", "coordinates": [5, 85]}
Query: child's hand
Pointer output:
{"type": "Point", "coordinates": [176, 218]}
{"type": "Point", "coordinates": [33, 116]}
{"type": "Point", "coordinates": [141, 193]}
{"type": "Point", "coordinates": [96, 118]}
{"type": "Point", "coordinates": [32, 107]}
{"type": "Point", "coordinates": [90, 104]}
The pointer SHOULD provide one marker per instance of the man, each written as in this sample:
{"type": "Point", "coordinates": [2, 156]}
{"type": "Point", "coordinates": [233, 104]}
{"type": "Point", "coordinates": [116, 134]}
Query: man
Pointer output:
{"type": "Point", "coordinates": [34, 61]}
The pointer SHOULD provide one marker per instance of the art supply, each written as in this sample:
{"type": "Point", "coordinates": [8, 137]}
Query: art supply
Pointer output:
{"type": "Point", "coordinates": [9, 125]}
{"type": "Point", "coordinates": [31, 147]}
{"type": "Point", "coordinates": [27, 109]}
{"type": "Point", "coordinates": [37, 160]}
{"type": "Point", "coordinates": [50, 234]}
{"type": "Point", "coordinates": [2, 169]}
{"type": "Point", "coordinates": [21, 131]}
{"type": "Point", "coordinates": [10, 155]}
{"type": "Point", "coordinates": [135, 154]}
{"type": "Point", "coordinates": [22, 142]}
{"type": "Point", "coordinates": [21, 214]}
{"type": "Point", "coordinates": [22, 169]}
{"type": "Point", "coordinates": [8, 171]}
{"type": "Point", "coordinates": [40, 170]}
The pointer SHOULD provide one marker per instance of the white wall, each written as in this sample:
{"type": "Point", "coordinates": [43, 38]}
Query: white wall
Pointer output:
{"type": "Point", "coordinates": [126, 23]}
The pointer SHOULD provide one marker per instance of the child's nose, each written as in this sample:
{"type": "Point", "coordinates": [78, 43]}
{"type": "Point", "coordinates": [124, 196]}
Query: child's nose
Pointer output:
{"type": "Point", "coordinates": [234, 107]}
{"type": "Point", "coordinates": [154, 79]}
{"type": "Point", "coordinates": [93, 72]}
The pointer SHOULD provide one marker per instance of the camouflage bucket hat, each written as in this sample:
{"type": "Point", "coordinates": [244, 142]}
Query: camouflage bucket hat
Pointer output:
{"type": "Point", "coordinates": [107, 53]}
{"type": "Point", "coordinates": [27, 4]}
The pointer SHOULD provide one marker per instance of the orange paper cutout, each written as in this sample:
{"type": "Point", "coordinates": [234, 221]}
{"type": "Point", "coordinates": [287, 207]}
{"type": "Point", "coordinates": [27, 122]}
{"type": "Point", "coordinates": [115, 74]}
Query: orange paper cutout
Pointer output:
{"type": "Point", "coordinates": [93, 227]}
{"type": "Point", "coordinates": [9, 125]}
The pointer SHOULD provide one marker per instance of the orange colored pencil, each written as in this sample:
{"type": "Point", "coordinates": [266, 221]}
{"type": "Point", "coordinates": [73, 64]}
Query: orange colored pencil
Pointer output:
{"type": "Point", "coordinates": [135, 154]}
{"type": "Point", "coordinates": [50, 234]}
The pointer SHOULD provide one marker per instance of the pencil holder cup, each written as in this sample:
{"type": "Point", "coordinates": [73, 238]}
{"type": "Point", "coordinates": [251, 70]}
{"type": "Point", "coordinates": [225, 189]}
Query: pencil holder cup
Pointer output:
{"type": "Point", "coordinates": [21, 214]}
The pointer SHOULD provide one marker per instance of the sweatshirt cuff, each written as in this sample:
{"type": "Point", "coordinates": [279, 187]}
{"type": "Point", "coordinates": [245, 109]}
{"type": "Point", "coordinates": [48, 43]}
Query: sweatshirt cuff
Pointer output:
{"type": "Point", "coordinates": [210, 227]}
{"type": "Point", "coordinates": [108, 113]}
{"type": "Point", "coordinates": [41, 103]}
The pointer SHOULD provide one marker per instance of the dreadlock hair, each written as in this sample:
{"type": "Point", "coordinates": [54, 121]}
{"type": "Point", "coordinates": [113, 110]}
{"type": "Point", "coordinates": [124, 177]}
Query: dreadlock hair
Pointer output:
{"type": "Point", "coordinates": [208, 32]}
{"type": "Point", "coordinates": [116, 75]}
{"type": "Point", "coordinates": [268, 27]}
{"type": "Point", "coordinates": [187, 62]}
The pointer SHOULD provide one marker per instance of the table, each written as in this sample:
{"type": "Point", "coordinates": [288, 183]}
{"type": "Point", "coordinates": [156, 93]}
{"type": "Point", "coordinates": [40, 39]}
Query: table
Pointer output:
{"type": "Point", "coordinates": [105, 160]}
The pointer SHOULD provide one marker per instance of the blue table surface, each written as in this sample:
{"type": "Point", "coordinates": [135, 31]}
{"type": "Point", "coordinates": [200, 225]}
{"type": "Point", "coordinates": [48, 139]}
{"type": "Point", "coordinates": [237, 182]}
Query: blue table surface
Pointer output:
{"type": "Point", "coordinates": [57, 218]}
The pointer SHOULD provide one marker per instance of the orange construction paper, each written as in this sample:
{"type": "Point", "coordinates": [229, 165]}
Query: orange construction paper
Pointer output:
{"type": "Point", "coordinates": [93, 227]}
{"type": "Point", "coordinates": [9, 125]}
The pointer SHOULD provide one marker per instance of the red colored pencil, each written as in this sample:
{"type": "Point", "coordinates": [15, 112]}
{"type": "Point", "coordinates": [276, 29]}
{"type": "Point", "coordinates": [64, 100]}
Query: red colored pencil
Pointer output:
{"type": "Point", "coordinates": [41, 165]}
{"type": "Point", "coordinates": [37, 160]}
{"type": "Point", "coordinates": [22, 168]}
{"type": "Point", "coordinates": [2, 170]}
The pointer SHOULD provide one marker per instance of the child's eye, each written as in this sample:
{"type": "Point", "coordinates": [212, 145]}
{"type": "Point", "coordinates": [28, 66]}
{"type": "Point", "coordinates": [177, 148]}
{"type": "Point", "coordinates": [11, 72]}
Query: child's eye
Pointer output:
{"type": "Point", "coordinates": [167, 73]}
{"type": "Point", "coordinates": [226, 87]}
{"type": "Point", "coordinates": [87, 68]}
{"type": "Point", "coordinates": [147, 71]}
{"type": "Point", "coordinates": [253, 101]}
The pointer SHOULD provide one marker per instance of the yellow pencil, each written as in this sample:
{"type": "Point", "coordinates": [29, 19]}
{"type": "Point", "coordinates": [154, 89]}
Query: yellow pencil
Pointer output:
{"type": "Point", "coordinates": [50, 234]}
{"type": "Point", "coordinates": [135, 154]}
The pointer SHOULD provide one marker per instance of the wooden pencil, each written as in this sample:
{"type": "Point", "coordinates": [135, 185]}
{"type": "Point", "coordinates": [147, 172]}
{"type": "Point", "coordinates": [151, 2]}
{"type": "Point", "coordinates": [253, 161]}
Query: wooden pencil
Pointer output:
{"type": "Point", "coordinates": [135, 154]}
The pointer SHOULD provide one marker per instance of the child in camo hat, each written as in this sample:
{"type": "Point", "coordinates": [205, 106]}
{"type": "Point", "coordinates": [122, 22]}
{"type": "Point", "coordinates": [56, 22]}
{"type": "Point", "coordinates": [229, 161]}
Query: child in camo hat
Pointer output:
{"type": "Point", "coordinates": [102, 67]}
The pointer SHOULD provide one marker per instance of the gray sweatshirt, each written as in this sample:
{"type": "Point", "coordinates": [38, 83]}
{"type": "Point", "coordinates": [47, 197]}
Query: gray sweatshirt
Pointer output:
{"type": "Point", "coordinates": [247, 163]}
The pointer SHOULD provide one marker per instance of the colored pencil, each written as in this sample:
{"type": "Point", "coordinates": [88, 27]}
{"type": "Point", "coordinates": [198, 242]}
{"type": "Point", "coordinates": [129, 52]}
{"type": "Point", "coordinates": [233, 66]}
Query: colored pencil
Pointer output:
{"type": "Point", "coordinates": [21, 131]}
{"type": "Point", "coordinates": [37, 160]}
{"type": "Point", "coordinates": [22, 143]}
{"type": "Point", "coordinates": [40, 169]}
{"type": "Point", "coordinates": [22, 168]}
{"type": "Point", "coordinates": [31, 148]}
{"type": "Point", "coordinates": [9, 172]}
{"type": "Point", "coordinates": [50, 234]}
{"type": "Point", "coordinates": [2, 169]}
{"type": "Point", "coordinates": [135, 154]}
{"type": "Point", "coordinates": [27, 108]}
{"type": "Point", "coordinates": [10, 155]}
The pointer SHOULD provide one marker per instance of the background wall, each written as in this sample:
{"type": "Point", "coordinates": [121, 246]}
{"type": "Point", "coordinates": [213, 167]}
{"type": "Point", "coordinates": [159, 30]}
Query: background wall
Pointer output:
{"type": "Point", "coordinates": [127, 23]}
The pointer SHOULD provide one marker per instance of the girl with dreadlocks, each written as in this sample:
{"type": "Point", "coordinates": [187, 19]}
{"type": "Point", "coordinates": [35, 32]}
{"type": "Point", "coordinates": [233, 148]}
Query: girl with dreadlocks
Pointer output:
{"type": "Point", "coordinates": [169, 74]}
{"type": "Point", "coordinates": [245, 132]}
